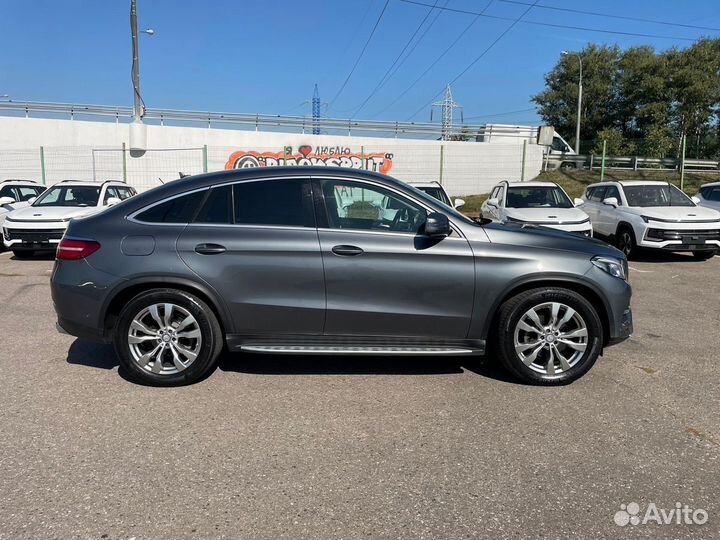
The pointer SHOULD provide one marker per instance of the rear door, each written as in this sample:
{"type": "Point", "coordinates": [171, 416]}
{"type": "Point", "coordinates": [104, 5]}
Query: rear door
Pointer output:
{"type": "Point", "coordinates": [256, 244]}
{"type": "Point", "coordinates": [382, 276]}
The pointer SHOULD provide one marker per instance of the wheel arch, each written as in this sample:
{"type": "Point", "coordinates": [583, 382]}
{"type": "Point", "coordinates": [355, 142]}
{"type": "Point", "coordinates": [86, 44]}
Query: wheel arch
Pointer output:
{"type": "Point", "coordinates": [581, 287]}
{"type": "Point", "coordinates": [120, 296]}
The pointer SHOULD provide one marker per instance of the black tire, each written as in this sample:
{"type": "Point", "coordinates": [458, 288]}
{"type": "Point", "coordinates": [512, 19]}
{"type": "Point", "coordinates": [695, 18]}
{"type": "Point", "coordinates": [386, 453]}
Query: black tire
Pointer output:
{"type": "Point", "coordinates": [703, 255]}
{"type": "Point", "coordinates": [567, 165]}
{"type": "Point", "coordinates": [625, 241]}
{"type": "Point", "coordinates": [210, 331]}
{"type": "Point", "coordinates": [509, 317]}
{"type": "Point", "coordinates": [23, 254]}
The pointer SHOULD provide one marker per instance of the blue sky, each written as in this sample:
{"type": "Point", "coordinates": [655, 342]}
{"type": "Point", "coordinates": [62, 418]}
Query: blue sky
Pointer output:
{"type": "Point", "coordinates": [248, 56]}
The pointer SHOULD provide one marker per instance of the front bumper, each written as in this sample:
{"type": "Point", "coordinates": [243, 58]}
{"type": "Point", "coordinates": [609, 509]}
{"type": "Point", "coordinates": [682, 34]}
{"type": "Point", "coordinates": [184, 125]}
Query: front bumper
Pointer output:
{"type": "Point", "coordinates": [623, 328]}
{"type": "Point", "coordinates": [32, 237]}
{"type": "Point", "coordinates": [678, 237]}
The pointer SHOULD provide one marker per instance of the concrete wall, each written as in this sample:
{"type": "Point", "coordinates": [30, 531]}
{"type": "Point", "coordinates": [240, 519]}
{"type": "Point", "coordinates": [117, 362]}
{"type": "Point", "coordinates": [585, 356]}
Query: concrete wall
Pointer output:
{"type": "Point", "coordinates": [91, 150]}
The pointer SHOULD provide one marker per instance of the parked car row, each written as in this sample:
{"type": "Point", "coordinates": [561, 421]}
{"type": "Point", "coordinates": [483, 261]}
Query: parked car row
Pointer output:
{"type": "Point", "coordinates": [630, 214]}
{"type": "Point", "coordinates": [36, 218]}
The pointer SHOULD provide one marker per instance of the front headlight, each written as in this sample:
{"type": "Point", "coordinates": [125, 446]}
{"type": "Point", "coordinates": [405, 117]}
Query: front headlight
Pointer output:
{"type": "Point", "coordinates": [615, 267]}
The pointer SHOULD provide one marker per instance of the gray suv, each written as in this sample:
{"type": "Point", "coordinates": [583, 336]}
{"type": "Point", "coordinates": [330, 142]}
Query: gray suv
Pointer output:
{"type": "Point", "coordinates": [317, 260]}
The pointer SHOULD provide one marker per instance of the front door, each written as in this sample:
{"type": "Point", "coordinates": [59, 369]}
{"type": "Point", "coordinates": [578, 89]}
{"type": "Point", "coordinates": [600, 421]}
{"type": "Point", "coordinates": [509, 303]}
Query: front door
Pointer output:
{"type": "Point", "coordinates": [382, 276]}
{"type": "Point", "coordinates": [256, 244]}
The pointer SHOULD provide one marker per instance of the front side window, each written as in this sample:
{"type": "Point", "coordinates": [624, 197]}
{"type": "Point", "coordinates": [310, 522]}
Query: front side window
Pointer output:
{"type": "Point", "coordinates": [125, 192]}
{"type": "Point", "coordinates": [110, 192]}
{"type": "Point", "coordinates": [537, 197]}
{"type": "Point", "coordinates": [656, 195]}
{"type": "Point", "coordinates": [273, 202]}
{"type": "Point", "coordinates": [598, 193]}
{"type": "Point", "coordinates": [353, 205]}
{"type": "Point", "coordinates": [177, 210]}
{"type": "Point", "coordinates": [711, 193]}
{"type": "Point", "coordinates": [612, 191]}
{"type": "Point", "coordinates": [69, 196]}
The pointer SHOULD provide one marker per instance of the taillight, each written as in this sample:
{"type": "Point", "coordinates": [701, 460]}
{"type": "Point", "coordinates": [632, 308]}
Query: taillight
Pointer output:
{"type": "Point", "coordinates": [74, 250]}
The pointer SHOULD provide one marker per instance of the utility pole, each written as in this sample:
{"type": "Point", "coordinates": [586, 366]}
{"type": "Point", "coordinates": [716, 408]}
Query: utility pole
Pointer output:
{"type": "Point", "coordinates": [137, 129]}
{"type": "Point", "coordinates": [316, 111]}
{"type": "Point", "coordinates": [447, 107]}
{"type": "Point", "coordinates": [579, 103]}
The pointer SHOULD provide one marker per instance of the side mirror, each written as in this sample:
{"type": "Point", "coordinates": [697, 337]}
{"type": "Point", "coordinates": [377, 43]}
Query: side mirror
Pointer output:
{"type": "Point", "coordinates": [31, 200]}
{"type": "Point", "coordinates": [494, 203]}
{"type": "Point", "coordinates": [695, 199]}
{"type": "Point", "coordinates": [578, 202]}
{"type": "Point", "coordinates": [458, 203]}
{"type": "Point", "coordinates": [611, 201]}
{"type": "Point", "coordinates": [437, 225]}
{"type": "Point", "coordinates": [112, 201]}
{"type": "Point", "coordinates": [6, 200]}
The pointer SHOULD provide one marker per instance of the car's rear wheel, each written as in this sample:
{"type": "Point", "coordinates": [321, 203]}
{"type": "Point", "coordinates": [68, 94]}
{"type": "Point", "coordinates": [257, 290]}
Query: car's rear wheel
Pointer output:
{"type": "Point", "coordinates": [625, 240]}
{"type": "Point", "coordinates": [167, 337]}
{"type": "Point", "coordinates": [549, 336]}
{"type": "Point", "coordinates": [703, 255]}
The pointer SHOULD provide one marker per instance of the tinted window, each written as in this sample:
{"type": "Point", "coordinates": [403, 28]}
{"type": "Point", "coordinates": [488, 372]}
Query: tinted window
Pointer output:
{"type": "Point", "coordinates": [7, 191]}
{"type": "Point", "coordinates": [360, 206]}
{"type": "Point", "coordinates": [125, 193]}
{"type": "Point", "coordinates": [217, 207]}
{"type": "Point", "coordinates": [711, 193]}
{"type": "Point", "coordinates": [272, 202]}
{"type": "Point", "coordinates": [178, 210]}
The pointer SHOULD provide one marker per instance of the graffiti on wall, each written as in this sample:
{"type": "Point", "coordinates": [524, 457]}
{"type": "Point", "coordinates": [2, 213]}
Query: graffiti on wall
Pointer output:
{"type": "Point", "coordinates": [306, 155]}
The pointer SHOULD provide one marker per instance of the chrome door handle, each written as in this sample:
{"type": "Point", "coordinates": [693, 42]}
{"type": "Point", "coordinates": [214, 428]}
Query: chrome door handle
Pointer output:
{"type": "Point", "coordinates": [347, 251]}
{"type": "Point", "coordinates": [209, 249]}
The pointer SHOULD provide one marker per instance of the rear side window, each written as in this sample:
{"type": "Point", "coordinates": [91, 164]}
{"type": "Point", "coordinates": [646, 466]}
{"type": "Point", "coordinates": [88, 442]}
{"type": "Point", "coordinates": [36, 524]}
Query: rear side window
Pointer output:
{"type": "Point", "coordinates": [273, 202]}
{"type": "Point", "coordinates": [217, 207]}
{"type": "Point", "coordinates": [178, 210]}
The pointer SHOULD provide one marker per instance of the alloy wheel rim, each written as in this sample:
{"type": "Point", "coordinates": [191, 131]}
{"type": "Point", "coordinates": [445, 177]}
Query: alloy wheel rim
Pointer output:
{"type": "Point", "coordinates": [550, 338]}
{"type": "Point", "coordinates": [625, 243]}
{"type": "Point", "coordinates": [164, 339]}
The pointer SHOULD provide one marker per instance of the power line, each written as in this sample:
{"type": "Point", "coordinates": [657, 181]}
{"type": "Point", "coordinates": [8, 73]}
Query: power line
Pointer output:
{"type": "Point", "coordinates": [624, 17]}
{"type": "Point", "coordinates": [477, 59]}
{"type": "Point", "coordinates": [384, 77]}
{"type": "Point", "coordinates": [362, 52]}
{"type": "Point", "coordinates": [584, 29]}
{"type": "Point", "coordinates": [507, 113]}
{"type": "Point", "coordinates": [447, 50]}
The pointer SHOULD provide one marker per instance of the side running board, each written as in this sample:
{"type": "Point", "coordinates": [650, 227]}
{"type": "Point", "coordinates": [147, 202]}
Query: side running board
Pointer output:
{"type": "Point", "coordinates": [360, 350]}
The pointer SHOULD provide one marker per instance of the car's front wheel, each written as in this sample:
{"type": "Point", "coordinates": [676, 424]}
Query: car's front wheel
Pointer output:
{"type": "Point", "coordinates": [626, 241]}
{"type": "Point", "coordinates": [549, 336]}
{"type": "Point", "coordinates": [167, 337]}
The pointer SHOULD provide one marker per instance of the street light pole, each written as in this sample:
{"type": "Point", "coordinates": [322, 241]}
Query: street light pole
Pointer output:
{"type": "Point", "coordinates": [137, 102]}
{"type": "Point", "coordinates": [579, 103]}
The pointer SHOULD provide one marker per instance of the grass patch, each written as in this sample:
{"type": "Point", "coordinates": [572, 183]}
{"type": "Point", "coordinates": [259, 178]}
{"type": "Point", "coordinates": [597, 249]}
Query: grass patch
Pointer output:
{"type": "Point", "coordinates": [575, 182]}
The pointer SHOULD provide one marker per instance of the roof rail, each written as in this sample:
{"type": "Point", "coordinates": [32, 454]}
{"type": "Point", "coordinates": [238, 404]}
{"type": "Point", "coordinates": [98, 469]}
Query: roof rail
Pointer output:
{"type": "Point", "coordinates": [17, 180]}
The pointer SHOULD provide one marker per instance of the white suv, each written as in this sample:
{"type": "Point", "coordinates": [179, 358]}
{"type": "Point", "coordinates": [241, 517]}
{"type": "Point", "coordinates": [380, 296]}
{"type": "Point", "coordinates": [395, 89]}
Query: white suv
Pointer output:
{"type": "Point", "coordinates": [709, 196]}
{"type": "Point", "coordinates": [536, 203]}
{"type": "Point", "coordinates": [16, 194]}
{"type": "Point", "coordinates": [437, 191]}
{"type": "Point", "coordinates": [40, 226]}
{"type": "Point", "coordinates": [641, 214]}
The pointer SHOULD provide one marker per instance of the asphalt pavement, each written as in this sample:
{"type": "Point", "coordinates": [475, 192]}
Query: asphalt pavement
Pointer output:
{"type": "Point", "coordinates": [315, 447]}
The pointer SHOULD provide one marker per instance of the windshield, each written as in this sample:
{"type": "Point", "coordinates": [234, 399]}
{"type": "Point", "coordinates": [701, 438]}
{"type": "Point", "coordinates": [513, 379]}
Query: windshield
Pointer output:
{"type": "Point", "coordinates": [69, 196]}
{"type": "Point", "coordinates": [665, 195]}
{"type": "Point", "coordinates": [437, 193]}
{"type": "Point", "coordinates": [537, 197]}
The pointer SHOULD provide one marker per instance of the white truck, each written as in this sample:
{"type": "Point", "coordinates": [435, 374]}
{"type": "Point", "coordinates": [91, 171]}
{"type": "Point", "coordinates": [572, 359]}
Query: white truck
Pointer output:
{"type": "Point", "coordinates": [559, 155]}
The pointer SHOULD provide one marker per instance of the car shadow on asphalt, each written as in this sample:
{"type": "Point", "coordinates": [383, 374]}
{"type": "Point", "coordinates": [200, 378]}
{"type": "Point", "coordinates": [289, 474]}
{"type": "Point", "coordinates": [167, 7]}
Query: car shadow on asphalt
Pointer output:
{"type": "Point", "coordinates": [101, 356]}
{"type": "Point", "coordinates": [650, 256]}
{"type": "Point", "coordinates": [269, 364]}
{"type": "Point", "coordinates": [39, 256]}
